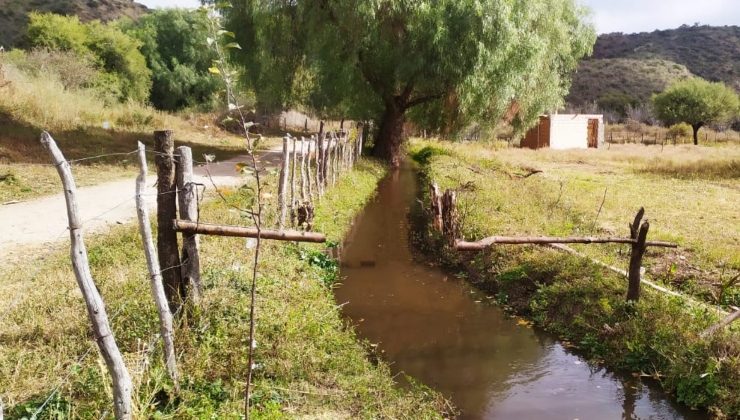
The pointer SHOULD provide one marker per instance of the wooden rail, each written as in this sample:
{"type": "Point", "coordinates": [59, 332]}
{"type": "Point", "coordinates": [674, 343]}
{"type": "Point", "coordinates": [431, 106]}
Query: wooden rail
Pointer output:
{"type": "Point", "coordinates": [543, 240]}
{"type": "Point", "coordinates": [185, 226]}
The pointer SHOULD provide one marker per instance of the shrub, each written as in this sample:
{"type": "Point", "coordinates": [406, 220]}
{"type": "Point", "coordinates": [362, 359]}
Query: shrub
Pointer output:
{"type": "Point", "coordinates": [73, 71]}
{"type": "Point", "coordinates": [174, 44]}
{"type": "Point", "coordinates": [680, 130]}
{"type": "Point", "coordinates": [124, 71]}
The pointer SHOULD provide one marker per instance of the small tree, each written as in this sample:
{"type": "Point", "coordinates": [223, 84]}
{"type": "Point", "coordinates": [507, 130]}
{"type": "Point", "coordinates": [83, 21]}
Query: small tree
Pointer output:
{"type": "Point", "coordinates": [696, 102]}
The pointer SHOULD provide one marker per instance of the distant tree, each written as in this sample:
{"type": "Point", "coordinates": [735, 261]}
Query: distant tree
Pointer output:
{"type": "Point", "coordinates": [453, 60]}
{"type": "Point", "coordinates": [696, 102]}
{"type": "Point", "coordinates": [618, 102]}
{"type": "Point", "coordinates": [174, 44]}
{"type": "Point", "coordinates": [124, 73]}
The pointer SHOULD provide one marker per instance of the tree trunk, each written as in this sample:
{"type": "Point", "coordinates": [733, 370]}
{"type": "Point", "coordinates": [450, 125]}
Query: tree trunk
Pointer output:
{"type": "Point", "coordinates": [390, 134]}
{"type": "Point", "coordinates": [696, 128]}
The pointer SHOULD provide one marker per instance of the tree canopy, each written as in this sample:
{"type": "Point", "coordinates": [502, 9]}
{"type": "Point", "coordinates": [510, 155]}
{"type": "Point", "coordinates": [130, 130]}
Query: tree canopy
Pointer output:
{"type": "Point", "coordinates": [174, 44]}
{"type": "Point", "coordinates": [124, 73]}
{"type": "Point", "coordinates": [697, 102]}
{"type": "Point", "coordinates": [456, 61]}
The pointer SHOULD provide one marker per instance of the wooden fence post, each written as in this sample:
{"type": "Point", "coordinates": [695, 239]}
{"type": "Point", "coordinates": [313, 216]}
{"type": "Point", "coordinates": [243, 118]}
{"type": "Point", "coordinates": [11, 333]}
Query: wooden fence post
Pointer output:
{"type": "Point", "coordinates": [638, 232]}
{"type": "Point", "coordinates": [309, 169]}
{"type": "Point", "coordinates": [436, 206]}
{"type": "Point", "coordinates": [283, 185]}
{"type": "Point", "coordinates": [303, 169]}
{"type": "Point", "coordinates": [155, 276]}
{"type": "Point", "coordinates": [450, 227]}
{"type": "Point", "coordinates": [167, 249]}
{"type": "Point", "coordinates": [122, 385]}
{"type": "Point", "coordinates": [293, 199]}
{"type": "Point", "coordinates": [319, 162]}
{"type": "Point", "coordinates": [188, 203]}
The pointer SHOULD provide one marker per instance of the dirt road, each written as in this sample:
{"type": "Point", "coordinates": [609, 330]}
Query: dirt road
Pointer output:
{"type": "Point", "coordinates": [33, 224]}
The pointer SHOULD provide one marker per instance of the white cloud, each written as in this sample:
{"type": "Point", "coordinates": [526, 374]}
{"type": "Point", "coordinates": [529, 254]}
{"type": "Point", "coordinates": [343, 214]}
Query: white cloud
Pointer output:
{"type": "Point", "coordinates": [645, 16]}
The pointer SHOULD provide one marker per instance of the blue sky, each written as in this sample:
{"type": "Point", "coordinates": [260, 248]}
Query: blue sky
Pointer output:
{"type": "Point", "coordinates": [618, 15]}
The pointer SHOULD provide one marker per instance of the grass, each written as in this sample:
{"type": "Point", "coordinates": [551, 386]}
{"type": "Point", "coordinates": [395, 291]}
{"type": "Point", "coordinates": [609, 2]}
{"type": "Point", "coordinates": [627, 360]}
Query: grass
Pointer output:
{"type": "Point", "coordinates": [689, 194]}
{"type": "Point", "coordinates": [582, 302]}
{"type": "Point", "coordinates": [310, 363]}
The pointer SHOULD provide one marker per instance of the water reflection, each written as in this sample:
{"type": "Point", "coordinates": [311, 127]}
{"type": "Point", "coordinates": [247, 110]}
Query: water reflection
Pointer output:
{"type": "Point", "coordinates": [440, 331]}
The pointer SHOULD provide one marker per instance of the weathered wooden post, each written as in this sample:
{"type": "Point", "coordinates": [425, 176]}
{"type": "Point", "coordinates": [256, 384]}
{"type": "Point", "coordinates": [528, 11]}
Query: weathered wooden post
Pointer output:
{"type": "Point", "coordinates": [638, 233]}
{"type": "Point", "coordinates": [319, 165]}
{"type": "Point", "coordinates": [293, 199]}
{"type": "Point", "coordinates": [167, 249]}
{"type": "Point", "coordinates": [122, 385]}
{"type": "Point", "coordinates": [449, 217]}
{"type": "Point", "coordinates": [188, 206]}
{"type": "Point", "coordinates": [283, 185]}
{"type": "Point", "coordinates": [436, 206]}
{"type": "Point", "coordinates": [155, 275]}
{"type": "Point", "coordinates": [303, 169]}
{"type": "Point", "coordinates": [308, 169]}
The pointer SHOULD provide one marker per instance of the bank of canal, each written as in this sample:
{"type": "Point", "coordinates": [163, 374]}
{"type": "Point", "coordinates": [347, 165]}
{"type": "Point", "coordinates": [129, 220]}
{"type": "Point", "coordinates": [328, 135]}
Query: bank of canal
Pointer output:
{"type": "Point", "coordinates": [442, 332]}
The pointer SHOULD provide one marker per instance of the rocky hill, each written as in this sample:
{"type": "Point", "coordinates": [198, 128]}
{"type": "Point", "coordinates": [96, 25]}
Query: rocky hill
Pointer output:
{"type": "Point", "coordinates": [14, 13]}
{"type": "Point", "coordinates": [638, 65]}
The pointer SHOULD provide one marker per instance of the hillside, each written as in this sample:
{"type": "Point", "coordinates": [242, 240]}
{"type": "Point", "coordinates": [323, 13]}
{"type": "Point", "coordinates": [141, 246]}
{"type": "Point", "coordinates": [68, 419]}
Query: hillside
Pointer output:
{"type": "Point", "coordinates": [639, 64]}
{"type": "Point", "coordinates": [634, 77]}
{"type": "Point", "coordinates": [14, 13]}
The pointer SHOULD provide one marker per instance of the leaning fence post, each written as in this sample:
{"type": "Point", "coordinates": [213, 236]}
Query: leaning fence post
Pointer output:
{"type": "Point", "coordinates": [638, 233]}
{"type": "Point", "coordinates": [167, 249]}
{"type": "Point", "coordinates": [283, 185]}
{"type": "Point", "coordinates": [188, 203]}
{"type": "Point", "coordinates": [122, 386]}
{"type": "Point", "coordinates": [155, 275]}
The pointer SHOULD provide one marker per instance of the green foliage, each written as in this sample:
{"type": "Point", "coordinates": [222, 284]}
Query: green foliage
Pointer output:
{"type": "Point", "coordinates": [618, 102]}
{"type": "Point", "coordinates": [696, 102]}
{"type": "Point", "coordinates": [424, 155]}
{"type": "Point", "coordinates": [174, 42]}
{"type": "Point", "coordinates": [328, 266]}
{"type": "Point", "coordinates": [679, 130]}
{"type": "Point", "coordinates": [368, 58]}
{"type": "Point", "coordinates": [123, 75]}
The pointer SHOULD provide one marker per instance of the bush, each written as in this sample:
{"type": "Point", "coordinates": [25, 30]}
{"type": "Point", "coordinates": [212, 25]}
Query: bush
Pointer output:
{"type": "Point", "coordinates": [174, 44]}
{"type": "Point", "coordinates": [124, 74]}
{"type": "Point", "coordinates": [73, 71]}
{"type": "Point", "coordinates": [680, 130]}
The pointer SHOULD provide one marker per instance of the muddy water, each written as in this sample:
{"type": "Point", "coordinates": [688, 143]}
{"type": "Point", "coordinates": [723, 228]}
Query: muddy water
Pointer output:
{"type": "Point", "coordinates": [439, 331]}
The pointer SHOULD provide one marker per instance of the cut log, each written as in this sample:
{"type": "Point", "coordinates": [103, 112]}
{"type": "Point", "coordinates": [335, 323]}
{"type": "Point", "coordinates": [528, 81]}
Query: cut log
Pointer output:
{"type": "Point", "coordinates": [246, 232]}
{"type": "Point", "coordinates": [542, 240]}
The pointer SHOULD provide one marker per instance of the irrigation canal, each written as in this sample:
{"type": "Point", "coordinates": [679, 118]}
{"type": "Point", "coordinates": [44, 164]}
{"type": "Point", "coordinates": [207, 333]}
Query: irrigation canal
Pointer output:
{"type": "Point", "coordinates": [443, 333]}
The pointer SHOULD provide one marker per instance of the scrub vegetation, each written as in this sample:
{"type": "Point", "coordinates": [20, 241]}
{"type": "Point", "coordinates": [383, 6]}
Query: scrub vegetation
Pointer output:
{"type": "Point", "coordinates": [583, 302]}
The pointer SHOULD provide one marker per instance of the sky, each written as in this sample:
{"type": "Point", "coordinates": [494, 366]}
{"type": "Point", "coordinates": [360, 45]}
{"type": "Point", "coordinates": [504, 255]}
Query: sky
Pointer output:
{"type": "Point", "coordinates": [618, 15]}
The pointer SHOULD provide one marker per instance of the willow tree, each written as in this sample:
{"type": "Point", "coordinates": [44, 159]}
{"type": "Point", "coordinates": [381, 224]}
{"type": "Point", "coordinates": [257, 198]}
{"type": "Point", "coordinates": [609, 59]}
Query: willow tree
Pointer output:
{"type": "Point", "coordinates": [473, 60]}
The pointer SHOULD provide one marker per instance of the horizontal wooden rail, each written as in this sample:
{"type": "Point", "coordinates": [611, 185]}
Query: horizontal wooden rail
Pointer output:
{"type": "Point", "coordinates": [246, 232]}
{"type": "Point", "coordinates": [521, 240]}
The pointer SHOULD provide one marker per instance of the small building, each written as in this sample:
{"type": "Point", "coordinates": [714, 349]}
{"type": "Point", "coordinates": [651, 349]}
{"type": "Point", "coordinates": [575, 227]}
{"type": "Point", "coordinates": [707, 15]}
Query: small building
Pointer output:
{"type": "Point", "coordinates": [566, 131]}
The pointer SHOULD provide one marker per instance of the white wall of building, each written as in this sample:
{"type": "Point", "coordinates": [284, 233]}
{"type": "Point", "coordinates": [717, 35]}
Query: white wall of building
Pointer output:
{"type": "Point", "coordinates": [568, 131]}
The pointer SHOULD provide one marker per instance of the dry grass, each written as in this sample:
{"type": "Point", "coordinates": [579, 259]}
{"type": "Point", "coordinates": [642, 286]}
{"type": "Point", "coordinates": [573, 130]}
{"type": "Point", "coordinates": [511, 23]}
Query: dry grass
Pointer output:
{"type": "Point", "coordinates": [697, 209]}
